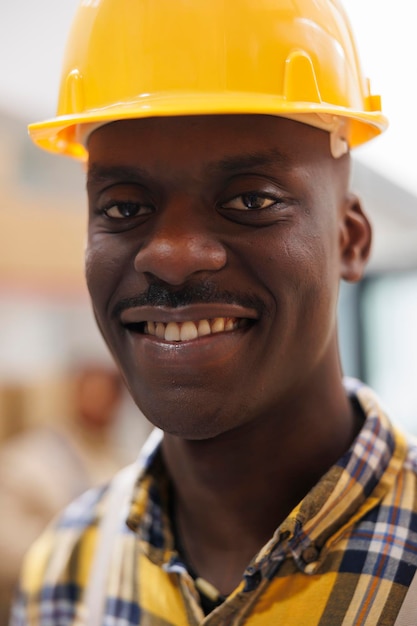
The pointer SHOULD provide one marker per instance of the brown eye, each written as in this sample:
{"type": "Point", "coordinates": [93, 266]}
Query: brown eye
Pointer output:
{"type": "Point", "coordinates": [125, 210]}
{"type": "Point", "coordinates": [250, 201]}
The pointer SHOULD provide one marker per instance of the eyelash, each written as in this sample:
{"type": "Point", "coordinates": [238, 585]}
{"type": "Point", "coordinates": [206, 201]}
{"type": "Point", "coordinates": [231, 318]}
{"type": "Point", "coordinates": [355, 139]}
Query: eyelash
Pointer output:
{"type": "Point", "coordinates": [273, 200]}
{"type": "Point", "coordinates": [126, 205]}
{"type": "Point", "coordinates": [245, 208]}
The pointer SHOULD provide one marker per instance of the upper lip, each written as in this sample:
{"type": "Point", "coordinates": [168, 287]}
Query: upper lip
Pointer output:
{"type": "Point", "coordinates": [192, 312]}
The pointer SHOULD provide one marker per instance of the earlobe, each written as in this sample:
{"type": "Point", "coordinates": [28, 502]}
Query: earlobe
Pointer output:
{"type": "Point", "coordinates": [355, 240]}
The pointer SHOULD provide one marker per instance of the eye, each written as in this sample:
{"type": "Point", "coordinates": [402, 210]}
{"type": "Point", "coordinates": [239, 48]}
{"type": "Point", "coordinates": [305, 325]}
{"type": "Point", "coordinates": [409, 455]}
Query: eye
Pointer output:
{"type": "Point", "coordinates": [251, 201]}
{"type": "Point", "coordinates": [126, 210]}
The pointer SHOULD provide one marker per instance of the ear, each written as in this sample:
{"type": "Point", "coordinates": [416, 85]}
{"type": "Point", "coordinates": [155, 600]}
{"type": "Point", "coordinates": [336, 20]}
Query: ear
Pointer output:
{"type": "Point", "coordinates": [355, 240]}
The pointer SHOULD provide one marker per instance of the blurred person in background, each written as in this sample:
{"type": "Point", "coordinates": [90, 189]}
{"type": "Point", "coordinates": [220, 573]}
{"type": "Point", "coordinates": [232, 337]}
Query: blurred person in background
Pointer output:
{"type": "Point", "coordinates": [43, 468]}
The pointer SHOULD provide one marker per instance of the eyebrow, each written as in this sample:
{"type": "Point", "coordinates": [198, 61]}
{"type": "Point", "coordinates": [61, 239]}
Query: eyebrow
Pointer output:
{"type": "Point", "coordinates": [104, 173]}
{"type": "Point", "coordinates": [252, 160]}
{"type": "Point", "coordinates": [230, 165]}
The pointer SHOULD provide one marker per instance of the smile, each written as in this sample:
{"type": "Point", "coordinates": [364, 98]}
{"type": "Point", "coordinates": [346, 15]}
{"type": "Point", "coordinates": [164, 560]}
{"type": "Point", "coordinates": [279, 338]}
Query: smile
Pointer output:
{"type": "Point", "coordinates": [189, 323]}
{"type": "Point", "coordinates": [190, 330]}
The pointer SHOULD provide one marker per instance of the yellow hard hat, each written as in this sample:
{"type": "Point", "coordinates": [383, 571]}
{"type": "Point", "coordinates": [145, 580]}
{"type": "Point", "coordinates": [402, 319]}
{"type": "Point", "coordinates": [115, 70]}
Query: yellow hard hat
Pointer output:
{"type": "Point", "coordinates": [146, 58]}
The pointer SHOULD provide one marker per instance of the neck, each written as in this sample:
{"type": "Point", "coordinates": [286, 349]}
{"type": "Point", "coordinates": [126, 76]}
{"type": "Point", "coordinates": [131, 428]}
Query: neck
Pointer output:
{"type": "Point", "coordinates": [231, 492]}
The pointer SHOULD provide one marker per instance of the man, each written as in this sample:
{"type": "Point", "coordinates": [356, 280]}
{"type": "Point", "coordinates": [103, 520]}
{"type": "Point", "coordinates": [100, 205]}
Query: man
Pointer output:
{"type": "Point", "coordinates": [220, 224]}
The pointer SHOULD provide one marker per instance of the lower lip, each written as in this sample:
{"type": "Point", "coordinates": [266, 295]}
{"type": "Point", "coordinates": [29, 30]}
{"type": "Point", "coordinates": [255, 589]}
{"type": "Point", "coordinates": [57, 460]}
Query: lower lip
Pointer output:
{"type": "Point", "coordinates": [203, 352]}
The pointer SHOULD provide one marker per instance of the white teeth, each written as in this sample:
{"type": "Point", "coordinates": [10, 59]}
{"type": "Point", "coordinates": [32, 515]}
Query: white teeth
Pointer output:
{"type": "Point", "coordinates": [218, 325]}
{"type": "Point", "coordinates": [172, 332]}
{"type": "Point", "coordinates": [204, 328]}
{"type": "Point", "coordinates": [187, 331]}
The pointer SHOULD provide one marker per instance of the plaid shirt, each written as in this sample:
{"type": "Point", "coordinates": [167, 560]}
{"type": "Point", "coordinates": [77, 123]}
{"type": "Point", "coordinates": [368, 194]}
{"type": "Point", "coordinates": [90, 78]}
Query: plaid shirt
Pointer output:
{"type": "Point", "coordinates": [344, 556]}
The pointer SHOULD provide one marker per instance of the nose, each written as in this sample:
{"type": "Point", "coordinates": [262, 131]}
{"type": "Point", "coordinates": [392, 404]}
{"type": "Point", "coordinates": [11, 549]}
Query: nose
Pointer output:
{"type": "Point", "coordinates": [180, 245]}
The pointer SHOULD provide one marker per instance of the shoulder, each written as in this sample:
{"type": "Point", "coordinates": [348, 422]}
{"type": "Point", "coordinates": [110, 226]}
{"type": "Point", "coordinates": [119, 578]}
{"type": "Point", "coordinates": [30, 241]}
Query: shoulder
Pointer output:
{"type": "Point", "coordinates": [402, 445]}
{"type": "Point", "coordinates": [84, 510]}
{"type": "Point", "coordinates": [59, 566]}
{"type": "Point", "coordinates": [55, 569]}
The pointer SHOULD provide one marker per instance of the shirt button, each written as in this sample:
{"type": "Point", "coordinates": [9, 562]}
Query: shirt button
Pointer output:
{"type": "Point", "coordinates": [310, 568]}
{"type": "Point", "coordinates": [310, 555]}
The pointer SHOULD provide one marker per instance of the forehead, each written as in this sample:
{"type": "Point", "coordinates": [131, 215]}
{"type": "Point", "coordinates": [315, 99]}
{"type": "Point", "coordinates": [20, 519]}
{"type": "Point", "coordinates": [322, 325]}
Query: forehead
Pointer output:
{"type": "Point", "coordinates": [213, 141]}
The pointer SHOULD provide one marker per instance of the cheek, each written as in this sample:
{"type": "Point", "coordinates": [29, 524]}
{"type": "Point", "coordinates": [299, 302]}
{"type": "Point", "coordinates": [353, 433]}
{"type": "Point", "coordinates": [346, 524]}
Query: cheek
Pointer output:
{"type": "Point", "coordinates": [293, 260]}
{"type": "Point", "coordinates": [103, 269]}
{"type": "Point", "coordinates": [301, 274]}
{"type": "Point", "coordinates": [317, 288]}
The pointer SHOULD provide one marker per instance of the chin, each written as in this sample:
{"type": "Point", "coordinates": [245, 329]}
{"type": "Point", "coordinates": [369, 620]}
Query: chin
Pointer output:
{"type": "Point", "coordinates": [195, 422]}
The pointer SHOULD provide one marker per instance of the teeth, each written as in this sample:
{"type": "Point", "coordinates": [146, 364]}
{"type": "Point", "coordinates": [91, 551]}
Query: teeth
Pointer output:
{"type": "Point", "coordinates": [229, 325]}
{"type": "Point", "coordinates": [172, 332]}
{"type": "Point", "coordinates": [160, 330]}
{"type": "Point", "coordinates": [187, 331]}
{"type": "Point", "coordinates": [218, 325]}
{"type": "Point", "coordinates": [204, 328]}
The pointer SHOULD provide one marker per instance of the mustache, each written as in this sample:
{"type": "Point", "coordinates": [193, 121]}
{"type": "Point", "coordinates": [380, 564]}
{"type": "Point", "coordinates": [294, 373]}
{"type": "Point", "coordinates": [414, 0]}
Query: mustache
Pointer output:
{"type": "Point", "coordinates": [162, 295]}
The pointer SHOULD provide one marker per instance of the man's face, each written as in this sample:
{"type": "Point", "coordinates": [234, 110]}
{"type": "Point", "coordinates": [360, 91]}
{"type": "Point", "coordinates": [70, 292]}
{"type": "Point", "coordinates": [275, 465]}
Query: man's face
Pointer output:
{"type": "Point", "coordinates": [213, 262]}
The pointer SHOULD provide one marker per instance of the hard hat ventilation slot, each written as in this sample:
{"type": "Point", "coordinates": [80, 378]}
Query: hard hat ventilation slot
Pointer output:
{"type": "Point", "coordinates": [300, 83]}
{"type": "Point", "coordinates": [74, 93]}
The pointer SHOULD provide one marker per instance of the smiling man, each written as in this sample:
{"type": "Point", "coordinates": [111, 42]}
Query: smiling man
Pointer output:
{"type": "Point", "coordinates": [221, 222]}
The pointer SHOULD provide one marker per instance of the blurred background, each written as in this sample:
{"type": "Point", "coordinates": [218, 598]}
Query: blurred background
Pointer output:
{"type": "Point", "coordinates": [47, 332]}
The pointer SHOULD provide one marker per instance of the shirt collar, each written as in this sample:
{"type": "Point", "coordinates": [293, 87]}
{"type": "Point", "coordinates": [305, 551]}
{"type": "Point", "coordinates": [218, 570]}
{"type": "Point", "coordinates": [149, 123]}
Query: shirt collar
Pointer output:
{"type": "Point", "coordinates": [351, 487]}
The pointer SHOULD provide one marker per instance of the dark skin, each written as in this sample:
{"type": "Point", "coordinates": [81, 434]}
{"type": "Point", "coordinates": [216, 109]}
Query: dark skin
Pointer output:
{"type": "Point", "coordinates": [242, 218]}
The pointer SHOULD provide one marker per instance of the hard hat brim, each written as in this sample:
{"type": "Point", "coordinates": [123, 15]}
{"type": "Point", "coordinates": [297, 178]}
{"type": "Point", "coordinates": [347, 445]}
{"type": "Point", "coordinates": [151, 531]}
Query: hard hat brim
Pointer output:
{"type": "Point", "coordinates": [59, 134]}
